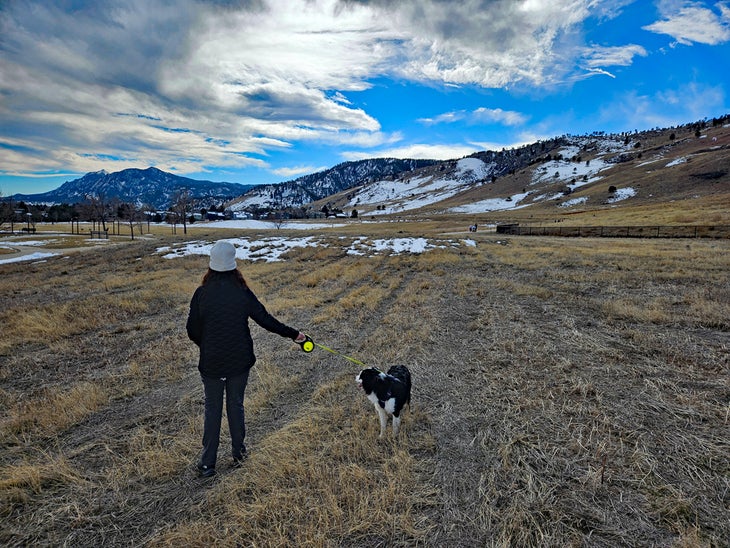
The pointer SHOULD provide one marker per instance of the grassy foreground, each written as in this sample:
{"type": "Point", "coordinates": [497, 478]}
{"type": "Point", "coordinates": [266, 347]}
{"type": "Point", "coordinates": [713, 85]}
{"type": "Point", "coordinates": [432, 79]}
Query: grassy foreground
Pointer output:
{"type": "Point", "coordinates": [567, 392]}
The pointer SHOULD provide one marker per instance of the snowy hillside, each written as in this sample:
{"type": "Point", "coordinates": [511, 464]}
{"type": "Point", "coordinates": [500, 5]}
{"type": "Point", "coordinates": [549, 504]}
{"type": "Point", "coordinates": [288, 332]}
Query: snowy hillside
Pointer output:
{"type": "Point", "coordinates": [419, 191]}
{"type": "Point", "coordinates": [310, 188]}
{"type": "Point", "coordinates": [428, 188]}
{"type": "Point", "coordinates": [566, 172]}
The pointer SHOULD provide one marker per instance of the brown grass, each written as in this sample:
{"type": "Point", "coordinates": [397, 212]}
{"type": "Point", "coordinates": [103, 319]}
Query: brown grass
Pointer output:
{"type": "Point", "coordinates": [52, 411]}
{"type": "Point", "coordinates": [566, 393]}
{"type": "Point", "coordinates": [329, 482]}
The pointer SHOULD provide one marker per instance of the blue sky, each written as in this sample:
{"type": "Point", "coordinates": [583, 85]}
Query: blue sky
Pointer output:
{"type": "Point", "coordinates": [264, 91]}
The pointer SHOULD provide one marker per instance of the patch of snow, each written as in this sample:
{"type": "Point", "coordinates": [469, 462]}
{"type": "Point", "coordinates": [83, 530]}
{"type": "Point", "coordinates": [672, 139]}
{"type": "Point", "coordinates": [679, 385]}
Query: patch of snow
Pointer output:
{"type": "Point", "coordinates": [401, 245]}
{"type": "Point", "coordinates": [649, 162]}
{"type": "Point", "coordinates": [382, 191]}
{"type": "Point", "coordinates": [622, 194]}
{"type": "Point", "coordinates": [366, 248]}
{"type": "Point", "coordinates": [475, 167]}
{"type": "Point", "coordinates": [677, 162]}
{"type": "Point", "coordinates": [263, 225]}
{"type": "Point", "coordinates": [567, 171]}
{"type": "Point", "coordinates": [29, 243]}
{"type": "Point", "coordinates": [569, 151]}
{"type": "Point", "coordinates": [30, 257]}
{"type": "Point", "coordinates": [266, 249]}
{"type": "Point", "coordinates": [400, 196]}
{"type": "Point", "coordinates": [272, 249]}
{"type": "Point", "coordinates": [492, 204]}
{"type": "Point", "coordinates": [574, 202]}
{"type": "Point", "coordinates": [548, 197]}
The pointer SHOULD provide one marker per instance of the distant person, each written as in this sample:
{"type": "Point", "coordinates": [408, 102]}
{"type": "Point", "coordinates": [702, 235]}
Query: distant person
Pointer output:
{"type": "Point", "coordinates": [218, 324]}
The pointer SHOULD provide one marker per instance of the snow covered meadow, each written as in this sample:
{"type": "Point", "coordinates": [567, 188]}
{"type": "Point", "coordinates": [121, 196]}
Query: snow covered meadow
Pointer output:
{"type": "Point", "coordinates": [271, 249]}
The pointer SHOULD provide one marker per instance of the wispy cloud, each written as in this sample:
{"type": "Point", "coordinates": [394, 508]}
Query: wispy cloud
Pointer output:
{"type": "Point", "coordinates": [481, 115]}
{"type": "Point", "coordinates": [695, 24]}
{"type": "Point", "coordinates": [419, 151]}
{"type": "Point", "coordinates": [289, 172]}
{"type": "Point", "coordinates": [602, 56]}
{"type": "Point", "coordinates": [598, 71]}
{"type": "Point", "coordinates": [506, 117]}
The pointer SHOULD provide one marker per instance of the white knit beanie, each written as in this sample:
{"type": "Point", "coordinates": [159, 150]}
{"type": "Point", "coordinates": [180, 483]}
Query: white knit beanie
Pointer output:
{"type": "Point", "coordinates": [223, 257]}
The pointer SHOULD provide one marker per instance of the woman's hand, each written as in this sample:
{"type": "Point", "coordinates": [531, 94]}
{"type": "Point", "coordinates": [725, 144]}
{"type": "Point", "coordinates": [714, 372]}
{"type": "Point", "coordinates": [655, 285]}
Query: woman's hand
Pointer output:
{"type": "Point", "coordinates": [305, 341]}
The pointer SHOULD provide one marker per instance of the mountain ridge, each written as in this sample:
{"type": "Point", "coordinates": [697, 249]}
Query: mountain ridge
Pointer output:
{"type": "Point", "coordinates": [143, 187]}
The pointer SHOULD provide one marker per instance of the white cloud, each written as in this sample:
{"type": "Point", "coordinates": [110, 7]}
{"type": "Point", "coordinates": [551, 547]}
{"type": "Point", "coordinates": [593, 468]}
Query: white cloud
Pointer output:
{"type": "Point", "coordinates": [600, 56]}
{"type": "Point", "coordinates": [487, 43]}
{"type": "Point", "coordinates": [692, 23]}
{"type": "Point", "coordinates": [445, 118]}
{"type": "Point", "coordinates": [491, 145]}
{"type": "Point", "coordinates": [418, 151]}
{"type": "Point", "coordinates": [481, 115]}
{"type": "Point", "coordinates": [506, 117]}
{"type": "Point", "coordinates": [289, 172]}
{"type": "Point", "coordinates": [597, 71]}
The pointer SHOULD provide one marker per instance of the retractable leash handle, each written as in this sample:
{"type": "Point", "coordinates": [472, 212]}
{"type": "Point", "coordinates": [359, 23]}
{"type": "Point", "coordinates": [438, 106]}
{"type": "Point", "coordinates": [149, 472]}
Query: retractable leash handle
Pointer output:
{"type": "Point", "coordinates": [307, 344]}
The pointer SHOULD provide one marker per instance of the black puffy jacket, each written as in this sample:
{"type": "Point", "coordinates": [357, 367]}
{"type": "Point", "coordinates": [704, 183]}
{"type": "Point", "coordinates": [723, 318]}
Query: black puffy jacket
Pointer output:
{"type": "Point", "coordinates": [218, 324]}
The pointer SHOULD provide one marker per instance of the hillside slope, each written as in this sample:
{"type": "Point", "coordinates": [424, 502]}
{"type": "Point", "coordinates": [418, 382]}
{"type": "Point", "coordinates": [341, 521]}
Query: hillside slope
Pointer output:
{"type": "Point", "coordinates": [316, 186]}
{"type": "Point", "coordinates": [563, 176]}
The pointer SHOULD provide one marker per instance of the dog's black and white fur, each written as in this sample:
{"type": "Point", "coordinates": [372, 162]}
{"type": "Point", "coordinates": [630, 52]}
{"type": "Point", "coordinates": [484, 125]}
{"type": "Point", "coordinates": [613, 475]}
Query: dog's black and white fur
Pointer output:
{"type": "Point", "coordinates": [389, 392]}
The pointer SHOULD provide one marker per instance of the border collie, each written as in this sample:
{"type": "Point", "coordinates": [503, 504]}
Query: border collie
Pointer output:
{"type": "Point", "coordinates": [389, 392]}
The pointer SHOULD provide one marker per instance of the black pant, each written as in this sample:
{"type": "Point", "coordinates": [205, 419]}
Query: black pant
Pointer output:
{"type": "Point", "coordinates": [234, 388]}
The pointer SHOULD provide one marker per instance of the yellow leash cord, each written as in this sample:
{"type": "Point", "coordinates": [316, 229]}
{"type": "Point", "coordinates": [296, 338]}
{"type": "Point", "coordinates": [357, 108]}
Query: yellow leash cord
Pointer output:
{"type": "Point", "coordinates": [336, 353]}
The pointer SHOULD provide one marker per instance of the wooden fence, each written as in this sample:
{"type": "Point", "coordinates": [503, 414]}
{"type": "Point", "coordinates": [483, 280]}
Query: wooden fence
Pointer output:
{"type": "Point", "coordinates": [676, 231]}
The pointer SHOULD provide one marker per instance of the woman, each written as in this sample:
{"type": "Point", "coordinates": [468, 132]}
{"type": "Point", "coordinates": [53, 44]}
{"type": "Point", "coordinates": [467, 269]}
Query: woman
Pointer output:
{"type": "Point", "coordinates": [218, 324]}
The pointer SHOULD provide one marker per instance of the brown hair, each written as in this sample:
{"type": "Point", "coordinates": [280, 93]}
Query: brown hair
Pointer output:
{"type": "Point", "coordinates": [213, 274]}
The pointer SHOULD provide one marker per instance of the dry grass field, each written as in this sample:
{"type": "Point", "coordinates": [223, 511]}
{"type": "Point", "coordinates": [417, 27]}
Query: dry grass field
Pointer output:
{"type": "Point", "coordinates": [567, 392]}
